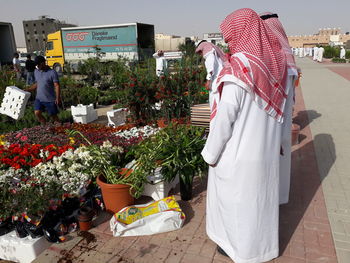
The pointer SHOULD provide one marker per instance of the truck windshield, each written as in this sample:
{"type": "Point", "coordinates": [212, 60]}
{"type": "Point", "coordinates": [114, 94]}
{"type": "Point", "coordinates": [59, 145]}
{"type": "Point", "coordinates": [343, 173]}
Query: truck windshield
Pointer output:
{"type": "Point", "coordinates": [49, 45]}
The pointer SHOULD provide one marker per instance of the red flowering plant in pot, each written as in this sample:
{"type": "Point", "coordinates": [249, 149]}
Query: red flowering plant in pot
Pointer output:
{"type": "Point", "coordinates": [179, 91]}
{"type": "Point", "coordinates": [119, 185]}
{"type": "Point", "coordinates": [140, 96]}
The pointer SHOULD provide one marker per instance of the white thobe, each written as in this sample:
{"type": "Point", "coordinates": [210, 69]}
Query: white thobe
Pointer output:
{"type": "Point", "coordinates": [213, 65]}
{"type": "Point", "coordinates": [161, 64]}
{"type": "Point", "coordinates": [286, 138]}
{"type": "Point", "coordinates": [342, 53]}
{"type": "Point", "coordinates": [310, 52]}
{"type": "Point", "coordinates": [296, 51]}
{"type": "Point", "coordinates": [315, 53]}
{"type": "Point", "coordinates": [243, 187]}
{"type": "Point", "coordinates": [320, 54]}
{"type": "Point", "coordinates": [301, 52]}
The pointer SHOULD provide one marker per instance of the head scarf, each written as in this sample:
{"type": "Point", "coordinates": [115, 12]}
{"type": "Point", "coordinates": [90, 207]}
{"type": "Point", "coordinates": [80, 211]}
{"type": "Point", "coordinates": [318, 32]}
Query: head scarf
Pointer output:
{"type": "Point", "coordinates": [264, 79]}
{"type": "Point", "coordinates": [276, 27]}
{"type": "Point", "coordinates": [205, 47]}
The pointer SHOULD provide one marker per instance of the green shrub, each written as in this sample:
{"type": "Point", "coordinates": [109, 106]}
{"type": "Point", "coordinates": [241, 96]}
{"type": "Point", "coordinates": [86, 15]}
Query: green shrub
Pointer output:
{"type": "Point", "coordinates": [347, 54]}
{"type": "Point", "coordinates": [338, 60]}
{"type": "Point", "coordinates": [87, 95]}
{"type": "Point", "coordinates": [331, 52]}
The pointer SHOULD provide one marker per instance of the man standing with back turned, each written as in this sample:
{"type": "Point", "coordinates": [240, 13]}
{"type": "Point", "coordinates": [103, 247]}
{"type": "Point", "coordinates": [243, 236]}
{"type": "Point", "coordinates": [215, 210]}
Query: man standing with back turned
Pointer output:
{"type": "Point", "coordinates": [30, 67]}
{"type": "Point", "coordinates": [47, 91]}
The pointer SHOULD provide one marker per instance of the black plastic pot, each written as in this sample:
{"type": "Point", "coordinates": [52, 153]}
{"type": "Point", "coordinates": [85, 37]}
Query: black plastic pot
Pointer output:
{"type": "Point", "coordinates": [185, 190]}
{"type": "Point", "coordinates": [21, 232]}
{"type": "Point", "coordinates": [6, 226]}
{"type": "Point", "coordinates": [33, 230]}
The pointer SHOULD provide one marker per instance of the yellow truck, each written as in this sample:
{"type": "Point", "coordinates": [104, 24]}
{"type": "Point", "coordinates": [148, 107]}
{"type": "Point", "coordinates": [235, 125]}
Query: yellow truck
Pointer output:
{"type": "Point", "coordinates": [134, 41]}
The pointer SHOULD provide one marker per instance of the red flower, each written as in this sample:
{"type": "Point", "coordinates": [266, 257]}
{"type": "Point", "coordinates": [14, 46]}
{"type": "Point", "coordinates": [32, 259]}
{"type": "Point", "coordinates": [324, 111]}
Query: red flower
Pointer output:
{"type": "Point", "coordinates": [24, 138]}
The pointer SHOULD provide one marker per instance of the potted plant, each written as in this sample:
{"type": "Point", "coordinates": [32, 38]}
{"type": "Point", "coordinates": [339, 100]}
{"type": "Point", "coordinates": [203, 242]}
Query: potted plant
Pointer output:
{"type": "Point", "coordinates": [85, 216]}
{"type": "Point", "coordinates": [119, 185]}
{"type": "Point", "coordinates": [176, 150]}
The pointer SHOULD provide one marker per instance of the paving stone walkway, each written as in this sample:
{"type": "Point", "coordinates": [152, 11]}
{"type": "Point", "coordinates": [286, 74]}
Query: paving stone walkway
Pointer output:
{"type": "Point", "coordinates": [305, 231]}
{"type": "Point", "coordinates": [326, 91]}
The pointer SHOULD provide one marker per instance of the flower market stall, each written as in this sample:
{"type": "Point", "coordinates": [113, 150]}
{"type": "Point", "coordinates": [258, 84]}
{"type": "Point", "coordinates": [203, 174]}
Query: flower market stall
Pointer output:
{"type": "Point", "coordinates": [51, 176]}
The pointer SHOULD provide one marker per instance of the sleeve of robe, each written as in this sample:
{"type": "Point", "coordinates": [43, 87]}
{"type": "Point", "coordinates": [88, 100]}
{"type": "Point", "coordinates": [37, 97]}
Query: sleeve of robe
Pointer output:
{"type": "Point", "coordinates": [209, 64]}
{"type": "Point", "coordinates": [222, 125]}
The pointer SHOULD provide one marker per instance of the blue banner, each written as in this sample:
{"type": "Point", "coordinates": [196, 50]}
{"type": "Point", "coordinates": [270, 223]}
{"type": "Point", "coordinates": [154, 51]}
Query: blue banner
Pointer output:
{"type": "Point", "coordinates": [110, 39]}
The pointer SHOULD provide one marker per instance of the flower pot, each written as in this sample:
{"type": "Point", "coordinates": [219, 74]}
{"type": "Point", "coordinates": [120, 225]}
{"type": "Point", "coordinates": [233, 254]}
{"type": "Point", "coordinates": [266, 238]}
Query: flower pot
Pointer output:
{"type": "Point", "coordinates": [85, 226]}
{"type": "Point", "coordinates": [161, 123]}
{"type": "Point", "coordinates": [185, 190]}
{"type": "Point", "coordinates": [295, 133]}
{"type": "Point", "coordinates": [115, 196]}
{"type": "Point", "coordinates": [85, 216]}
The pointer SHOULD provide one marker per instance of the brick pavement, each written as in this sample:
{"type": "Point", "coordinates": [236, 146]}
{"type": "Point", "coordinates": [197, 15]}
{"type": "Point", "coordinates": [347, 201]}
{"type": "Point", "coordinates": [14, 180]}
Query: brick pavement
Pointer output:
{"type": "Point", "coordinates": [342, 70]}
{"type": "Point", "coordinates": [305, 232]}
{"type": "Point", "coordinates": [326, 91]}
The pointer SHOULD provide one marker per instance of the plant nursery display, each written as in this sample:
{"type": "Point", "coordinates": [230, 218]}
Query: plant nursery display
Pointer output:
{"type": "Point", "coordinates": [54, 177]}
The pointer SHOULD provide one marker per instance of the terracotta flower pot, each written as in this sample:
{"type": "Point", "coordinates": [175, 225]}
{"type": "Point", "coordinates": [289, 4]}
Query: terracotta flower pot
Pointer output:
{"type": "Point", "coordinates": [161, 123]}
{"type": "Point", "coordinates": [115, 196]}
{"type": "Point", "coordinates": [295, 133]}
{"type": "Point", "coordinates": [85, 226]}
{"type": "Point", "coordinates": [85, 216]}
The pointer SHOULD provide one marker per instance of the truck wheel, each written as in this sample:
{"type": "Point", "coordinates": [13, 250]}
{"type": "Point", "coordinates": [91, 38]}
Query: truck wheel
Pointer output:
{"type": "Point", "coordinates": [58, 68]}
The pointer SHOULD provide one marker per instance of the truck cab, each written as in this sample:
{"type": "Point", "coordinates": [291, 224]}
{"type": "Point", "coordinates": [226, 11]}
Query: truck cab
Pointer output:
{"type": "Point", "coordinates": [54, 51]}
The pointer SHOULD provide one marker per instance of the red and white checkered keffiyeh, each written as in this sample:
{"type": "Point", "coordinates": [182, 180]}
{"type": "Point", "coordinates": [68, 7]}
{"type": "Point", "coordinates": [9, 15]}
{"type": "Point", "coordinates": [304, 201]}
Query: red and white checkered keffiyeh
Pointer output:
{"type": "Point", "coordinates": [264, 78]}
{"type": "Point", "coordinates": [277, 28]}
{"type": "Point", "coordinates": [205, 47]}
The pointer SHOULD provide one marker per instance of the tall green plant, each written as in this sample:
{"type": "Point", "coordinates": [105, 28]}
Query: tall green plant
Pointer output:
{"type": "Point", "coordinates": [176, 149]}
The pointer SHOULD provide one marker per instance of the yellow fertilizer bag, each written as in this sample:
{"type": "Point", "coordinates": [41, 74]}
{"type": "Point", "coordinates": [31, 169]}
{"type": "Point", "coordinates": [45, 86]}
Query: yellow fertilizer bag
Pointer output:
{"type": "Point", "coordinates": [152, 218]}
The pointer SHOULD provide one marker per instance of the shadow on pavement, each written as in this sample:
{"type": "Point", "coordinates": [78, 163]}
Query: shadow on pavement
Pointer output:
{"type": "Point", "coordinates": [305, 117]}
{"type": "Point", "coordinates": [311, 163]}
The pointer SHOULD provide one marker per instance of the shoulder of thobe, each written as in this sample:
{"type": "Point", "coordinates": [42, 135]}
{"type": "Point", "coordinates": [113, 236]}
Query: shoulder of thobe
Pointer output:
{"type": "Point", "coordinates": [211, 52]}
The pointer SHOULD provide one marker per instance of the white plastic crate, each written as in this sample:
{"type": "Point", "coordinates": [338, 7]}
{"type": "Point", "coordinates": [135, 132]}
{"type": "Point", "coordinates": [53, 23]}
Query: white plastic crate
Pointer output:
{"type": "Point", "coordinates": [14, 102]}
{"type": "Point", "coordinates": [81, 109]}
{"type": "Point", "coordinates": [158, 188]}
{"type": "Point", "coordinates": [117, 117]}
{"type": "Point", "coordinates": [90, 117]}
{"type": "Point", "coordinates": [84, 113]}
{"type": "Point", "coordinates": [23, 250]}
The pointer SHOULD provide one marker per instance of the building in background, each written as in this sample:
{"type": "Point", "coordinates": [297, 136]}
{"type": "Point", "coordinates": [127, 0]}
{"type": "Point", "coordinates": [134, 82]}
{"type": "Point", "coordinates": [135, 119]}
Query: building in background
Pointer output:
{"type": "Point", "coordinates": [325, 37]}
{"type": "Point", "coordinates": [215, 38]}
{"type": "Point", "coordinates": [168, 42]}
{"type": "Point", "coordinates": [36, 31]}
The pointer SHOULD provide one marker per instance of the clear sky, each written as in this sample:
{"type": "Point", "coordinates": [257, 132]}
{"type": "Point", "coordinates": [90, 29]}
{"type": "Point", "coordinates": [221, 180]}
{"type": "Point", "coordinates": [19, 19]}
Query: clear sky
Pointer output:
{"type": "Point", "coordinates": [177, 17]}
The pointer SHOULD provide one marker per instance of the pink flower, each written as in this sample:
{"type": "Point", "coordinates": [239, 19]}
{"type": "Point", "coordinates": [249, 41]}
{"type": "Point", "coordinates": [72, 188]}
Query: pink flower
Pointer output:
{"type": "Point", "coordinates": [19, 135]}
{"type": "Point", "coordinates": [24, 138]}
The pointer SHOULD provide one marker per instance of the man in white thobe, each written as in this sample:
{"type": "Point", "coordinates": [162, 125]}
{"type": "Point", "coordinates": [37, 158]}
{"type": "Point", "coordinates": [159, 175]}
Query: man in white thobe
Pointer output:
{"type": "Point", "coordinates": [301, 52]}
{"type": "Point", "coordinates": [243, 145]}
{"type": "Point", "coordinates": [310, 51]}
{"type": "Point", "coordinates": [342, 53]}
{"type": "Point", "coordinates": [315, 53]}
{"type": "Point", "coordinates": [320, 54]}
{"type": "Point", "coordinates": [161, 63]}
{"type": "Point", "coordinates": [214, 58]}
{"type": "Point", "coordinates": [272, 21]}
{"type": "Point", "coordinates": [296, 51]}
